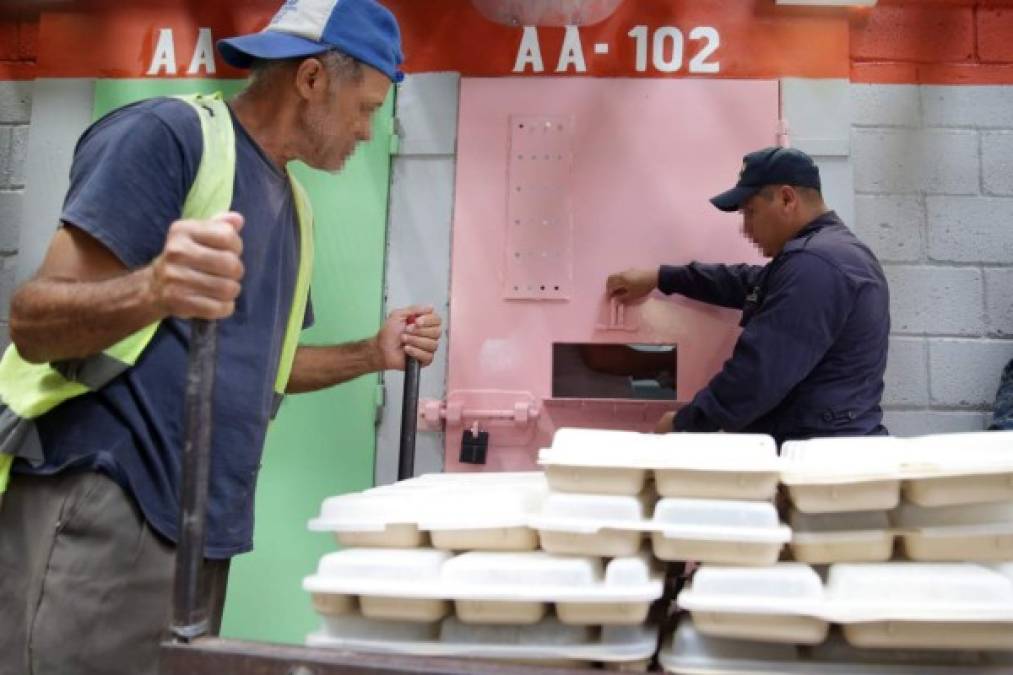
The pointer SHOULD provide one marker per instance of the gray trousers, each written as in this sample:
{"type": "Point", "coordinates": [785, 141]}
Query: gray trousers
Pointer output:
{"type": "Point", "coordinates": [85, 585]}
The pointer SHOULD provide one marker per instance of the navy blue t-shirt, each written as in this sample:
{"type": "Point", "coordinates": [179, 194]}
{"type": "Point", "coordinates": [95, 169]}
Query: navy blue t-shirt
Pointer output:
{"type": "Point", "coordinates": [131, 174]}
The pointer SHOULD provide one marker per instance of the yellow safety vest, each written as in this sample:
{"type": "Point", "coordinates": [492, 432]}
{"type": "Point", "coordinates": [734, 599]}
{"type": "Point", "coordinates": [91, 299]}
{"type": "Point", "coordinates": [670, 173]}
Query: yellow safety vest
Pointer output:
{"type": "Point", "coordinates": [28, 390]}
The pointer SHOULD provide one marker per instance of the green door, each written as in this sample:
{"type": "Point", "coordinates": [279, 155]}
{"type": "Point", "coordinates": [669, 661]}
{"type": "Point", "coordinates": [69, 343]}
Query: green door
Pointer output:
{"type": "Point", "coordinates": [321, 444]}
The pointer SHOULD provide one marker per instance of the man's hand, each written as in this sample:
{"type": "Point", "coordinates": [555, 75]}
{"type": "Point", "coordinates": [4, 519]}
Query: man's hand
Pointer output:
{"type": "Point", "coordinates": [414, 331]}
{"type": "Point", "coordinates": [665, 424]}
{"type": "Point", "coordinates": [631, 285]}
{"type": "Point", "coordinates": [198, 273]}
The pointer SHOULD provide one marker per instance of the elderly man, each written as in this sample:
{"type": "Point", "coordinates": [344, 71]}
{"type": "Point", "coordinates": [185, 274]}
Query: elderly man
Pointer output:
{"type": "Point", "coordinates": [178, 209]}
{"type": "Point", "coordinates": [815, 320]}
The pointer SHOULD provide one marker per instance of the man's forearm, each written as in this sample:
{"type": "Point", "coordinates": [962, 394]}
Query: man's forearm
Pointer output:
{"type": "Point", "coordinates": [724, 285]}
{"type": "Point", "coordinates": [321, 367]}
{"type": "Point", "coordinates": [54, 319]}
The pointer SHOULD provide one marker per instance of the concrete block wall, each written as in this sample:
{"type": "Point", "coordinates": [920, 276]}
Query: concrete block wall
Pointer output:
{"type": "Point", "coordinates": [15, 115]}
{"type": "Point", "coordinates": [934, 198]}
{"type": "Point", "coordinates": [19, 31]}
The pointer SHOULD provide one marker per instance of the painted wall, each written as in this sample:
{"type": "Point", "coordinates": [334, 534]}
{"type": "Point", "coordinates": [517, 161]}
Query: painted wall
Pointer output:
{"type": "Point", "coordinates": [934, 198]}
{"type": "Point", "coordinates": [15, 114]}
{"type": "Point", "coordinates": [924, 167]}
{"type": "Point", "coordinates": [18, 48]}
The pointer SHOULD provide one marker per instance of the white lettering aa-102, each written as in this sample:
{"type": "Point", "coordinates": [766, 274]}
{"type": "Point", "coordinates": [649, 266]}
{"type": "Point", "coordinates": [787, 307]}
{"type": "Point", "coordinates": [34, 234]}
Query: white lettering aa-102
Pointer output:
{"type": "Point", "coordinates": [667, 50]}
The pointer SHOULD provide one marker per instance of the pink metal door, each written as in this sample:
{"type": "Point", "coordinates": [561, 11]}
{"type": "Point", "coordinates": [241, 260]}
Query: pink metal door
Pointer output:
{"type": "Point", "coordinates": [559, 183]}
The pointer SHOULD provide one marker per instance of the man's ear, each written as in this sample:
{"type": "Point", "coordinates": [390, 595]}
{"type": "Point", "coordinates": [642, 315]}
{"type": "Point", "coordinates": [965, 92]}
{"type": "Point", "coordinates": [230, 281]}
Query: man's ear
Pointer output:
{"type": "Point", "coordinates": [310, 78]}
{"type": "Point", "coordinates": [788, 196]}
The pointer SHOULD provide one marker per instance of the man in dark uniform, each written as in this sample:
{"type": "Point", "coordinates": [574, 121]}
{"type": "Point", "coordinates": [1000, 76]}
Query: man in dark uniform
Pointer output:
{"type": "Point", "coordinates": [1002, 411]}
{"type": "Point", "coordinates": [815, 319]}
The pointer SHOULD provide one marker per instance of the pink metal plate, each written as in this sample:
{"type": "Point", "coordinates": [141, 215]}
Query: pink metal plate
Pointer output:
{"type": "Point", "coordinates": [635, 162]}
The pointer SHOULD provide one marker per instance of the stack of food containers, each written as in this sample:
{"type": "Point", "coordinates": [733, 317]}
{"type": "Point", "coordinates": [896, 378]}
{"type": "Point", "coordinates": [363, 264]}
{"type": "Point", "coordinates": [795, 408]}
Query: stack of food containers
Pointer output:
{"type": "Point", "coordinates": [447, 565]}
{"type": "Point", "coordinates": [898, 543]}
{"type": "Point", "coordinates": [906, 544]}
{"type": "Point", "coordinates": [702, 497]}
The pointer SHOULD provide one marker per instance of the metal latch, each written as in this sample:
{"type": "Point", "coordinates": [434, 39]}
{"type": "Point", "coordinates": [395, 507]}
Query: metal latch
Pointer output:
{"type": "Point", "coordinates": [487, 407]}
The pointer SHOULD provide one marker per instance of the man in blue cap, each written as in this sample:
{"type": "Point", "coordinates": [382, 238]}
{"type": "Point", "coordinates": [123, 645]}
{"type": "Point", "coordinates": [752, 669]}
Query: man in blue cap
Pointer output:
{"type": "Point", "coordinates": [87, 532]}
{"type": "Point", "coordinates": [815, 320]}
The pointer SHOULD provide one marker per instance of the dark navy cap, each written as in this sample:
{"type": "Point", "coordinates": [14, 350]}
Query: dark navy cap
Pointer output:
{"type": "Point", "coordinates": [770, 166]}
{"type": "Point", "coordinates": [363, 29]}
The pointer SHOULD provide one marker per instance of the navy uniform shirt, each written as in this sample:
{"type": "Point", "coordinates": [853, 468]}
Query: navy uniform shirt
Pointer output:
{"type": "Point", "coordinates": [812, 353]}
{"type": "Point", "coordinates": [131, 173]}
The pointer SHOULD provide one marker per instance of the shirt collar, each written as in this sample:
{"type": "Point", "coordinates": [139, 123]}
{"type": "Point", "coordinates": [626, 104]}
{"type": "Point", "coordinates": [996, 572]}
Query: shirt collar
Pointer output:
{"type": "Point", "coordinates": [817, 224]}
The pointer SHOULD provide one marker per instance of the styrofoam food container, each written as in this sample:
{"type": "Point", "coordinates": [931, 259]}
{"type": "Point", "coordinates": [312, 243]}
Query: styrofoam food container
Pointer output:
{"type": "Point", "coordinates": [593, 524]}
{"type": "Point", "coordinates": [369, 566]}
{"type": "Point", "coordinates": [717, 466]}
{"type": "Point", "coordinates": [863, 536]}
{"type": "Point", "coordinates": [403, 609]}
{"type": "Point", "coordinates": [690, 652]}
{"type": "Point", "coordinates": [781, 603]}
{"type": "Point", "coordinates": [831, 475]}
{"type": "Point", "coordinates": [544, 641]}
{"type": "Point", "coordinates": [845, 497]}
{"type": "Point", "coordinates": [519, 538]}
{"type": "Point", "coordinates": [452, 513]}
{"type": "Point", "coordinates": [979, 532]}
{"type": "Point", "coordinates": [327, 604]}
{"type": "Point", "coordinates": [930, 635]}
{"type": "Point", "coordinates": [870, 473]}
{"type": "Point", "coordinates": [718, 531]}
{"type": "Point", "coordinates": [968, 489]}
{"type": "Point", "coordinates": [966, 468]}
{"type": "Point", "coordinates": [367, 519]}
{"type": "Point", "coordinates": [500, 611]}
{"type": "Point", "coordinates": [705, 530]}
{"type": "Point", "coordinates": [624, 586]}
{"type": "Point", "coordinates": [902, 605]}
{"type": "Point", "coordinates": [924, 605]}
{"type": "Point", "coordinates": [393, 535]}
{"type": "Point", "coordinates": [415, 584]}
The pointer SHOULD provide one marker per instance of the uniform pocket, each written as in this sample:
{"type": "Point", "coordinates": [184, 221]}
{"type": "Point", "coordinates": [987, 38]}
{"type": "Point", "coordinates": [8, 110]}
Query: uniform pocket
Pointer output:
{"type": "Point", "coordinates": [816, 422]}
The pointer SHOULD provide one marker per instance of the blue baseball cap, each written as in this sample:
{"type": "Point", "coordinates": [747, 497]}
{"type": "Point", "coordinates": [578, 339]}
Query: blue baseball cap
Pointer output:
{"type": "Point", "coordinates": [770, 166]}
{"type": "Point", "coordinates": [363, 29]}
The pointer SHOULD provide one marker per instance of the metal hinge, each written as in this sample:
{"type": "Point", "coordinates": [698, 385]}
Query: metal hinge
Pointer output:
{"type": "Point", "coordinates": [395, 138]}
{"type": "Point", "coordinates": [783, 136]}
{"type": "Point", "coordinates": [380, 401]}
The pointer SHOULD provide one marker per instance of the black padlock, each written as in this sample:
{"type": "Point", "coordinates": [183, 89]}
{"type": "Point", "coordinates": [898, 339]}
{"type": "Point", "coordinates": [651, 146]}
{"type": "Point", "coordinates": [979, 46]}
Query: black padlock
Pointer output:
{"type": "Point", "coordinates": [474, 447]}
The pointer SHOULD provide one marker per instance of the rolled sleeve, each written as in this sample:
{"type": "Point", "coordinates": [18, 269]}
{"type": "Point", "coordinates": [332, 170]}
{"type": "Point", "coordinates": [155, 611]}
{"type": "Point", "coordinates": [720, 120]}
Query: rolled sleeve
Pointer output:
{"type": "Point", "coordinates": [130, 176]}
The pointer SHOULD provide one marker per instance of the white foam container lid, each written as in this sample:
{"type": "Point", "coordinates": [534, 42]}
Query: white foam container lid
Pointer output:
{"type": "Point", "coordinates": [869, 458]}
{"type": "Point", "coordinates": [529, 576]}
{"type": "Point", "coordinates": [548, 639]}
{"type": "Point", "coordinates": [909, 591]}
{"type": "Point", "coordinates": [841, 460]}
{"type": "Point", "coordinates": [784, 588]}
{"type": "Point", "coordinates": [979, 452]}
{"type": "Point", "coordinates": [438, 502]}
{"type": "Point", "coordinates": [704, 519]}
{"type": "Point", "coordinates": [692, 653]}
{"type": "Point", "coordinates": [695, 452]}
{"type": "Point", "coordinates": [859, 592]}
